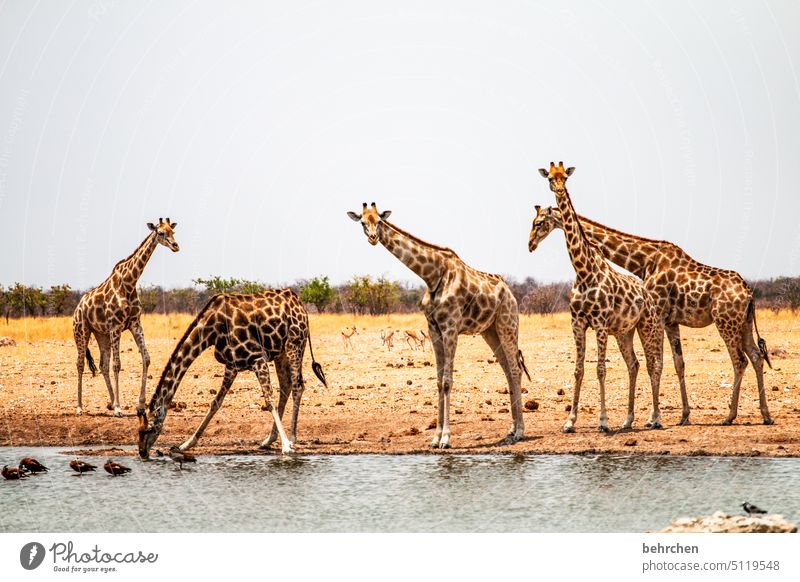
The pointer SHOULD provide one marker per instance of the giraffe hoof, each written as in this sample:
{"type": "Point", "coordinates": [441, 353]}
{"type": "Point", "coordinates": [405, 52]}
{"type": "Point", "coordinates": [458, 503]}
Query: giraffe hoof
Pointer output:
{"type": "Point", "coordinates": [727, 422]}
{"type": "Point", "coordinates": [109, 406]}
{"type": "Point", "coordinates": [684, 422]}
{"type": "Point", "coordinates": [118, 413]}
{"type": "Point", "coordinates": [568, 430]}
{"type": "Point", "coordinates": [768, 421]}
{"type": "Point", "coordinates": [602, 428]}
{"type": "Point", "coordinates": [444, 445]}
{"type": "Point", "coordinates": [653, 425]}
{"type": "Point", "coordinates": [79, 412]}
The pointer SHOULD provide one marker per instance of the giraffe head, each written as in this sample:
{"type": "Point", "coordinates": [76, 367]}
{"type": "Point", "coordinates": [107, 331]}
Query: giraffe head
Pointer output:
{"type": "Point", "coordinates": [165, 233]}
{"type": "Point", "coordinates": [370, 218]}
{"type": "Point", "coordinates": [148, 433]}
{"type": "Point", "coordinates": [557, 176]}
{"type": "Point", "coordinates": [546, 221]}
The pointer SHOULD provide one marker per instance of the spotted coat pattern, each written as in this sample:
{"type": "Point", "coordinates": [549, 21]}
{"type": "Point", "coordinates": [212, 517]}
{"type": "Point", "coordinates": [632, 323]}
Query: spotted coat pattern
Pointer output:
{"type": "Point", "coordinates": [458, 300]}
{"type": "Point", "coordinates": [246, 332]}
{"type": "Point", "coordinates": [112, 308]}
{"type": "Point", "coordinates": [612, 304]}
{"type": "Point", "coordinates": [686, 292]}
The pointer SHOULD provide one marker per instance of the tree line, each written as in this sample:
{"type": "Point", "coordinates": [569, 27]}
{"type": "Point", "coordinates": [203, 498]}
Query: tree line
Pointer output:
{"type": "Point", "coordinates": [361, 295]}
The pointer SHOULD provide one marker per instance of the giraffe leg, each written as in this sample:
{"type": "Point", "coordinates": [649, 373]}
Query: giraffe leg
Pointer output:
{"type": "Point", "coordinates": [625, 343]}
{"type": "Point", "coordinates": [507, 327]}
{"type": "Point", "coordinates": [285, 384]}
{"type": "Point", "coordinates": [579, 333]}
{"type": "Point", "coordinates": [114, 337]}
{"type": "Point", "coordinates": [261, 369]}
{"type": "Point", "coordinates": [754, 354]}
{"type": "Point", "coordinates": [138, 337]}
{"type": "Point", "coordinates": [602, 339]}
{"type": "Point", "coordinates": [450, 341]}
{"type": "Point", "coordinates": [674, 337]}
{"type": "Point", "coordinates": [227, 380]}
{"type": "Point", "coordinates": [81, 341]}
{"type": "Point", "coordinates": [491, 337]}
{"type": "Point", "coordinates": [438, 352]}
{"type": "Point", "coordinates": [298, 386]}
{"type": "Point", "coordinates": [733, 341]}
{"type": "Point", "coordinates": [651, 334]}
{"type": "Point", "coordinates": [105, 369]}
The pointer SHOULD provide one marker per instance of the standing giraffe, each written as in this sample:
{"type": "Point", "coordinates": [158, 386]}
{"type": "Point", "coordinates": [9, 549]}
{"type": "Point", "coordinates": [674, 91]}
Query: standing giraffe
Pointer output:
{"type": "Point", "coordinates": [247, 332]}
{"type": "Point", "coordinates": [612, 304]}
{"type": "Point", "coordinates": [113, 307]}
{"type": "Point", "coordinates": [686, 293]}
{"type": "Point", "coordinates": [459, 300]}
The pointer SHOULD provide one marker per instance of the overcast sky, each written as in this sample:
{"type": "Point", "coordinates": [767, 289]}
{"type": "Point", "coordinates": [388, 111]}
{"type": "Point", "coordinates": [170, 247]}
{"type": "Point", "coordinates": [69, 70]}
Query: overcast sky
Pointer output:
{"type": "Point", "coordinates": [257, 125]}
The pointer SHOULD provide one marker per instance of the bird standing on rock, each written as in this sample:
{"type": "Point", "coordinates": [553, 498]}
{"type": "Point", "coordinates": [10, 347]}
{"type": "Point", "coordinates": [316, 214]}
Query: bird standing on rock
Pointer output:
{"type": "Point", "coordinates": [81, 467]}
{"type": "Point", "coordinates": [115, 468]}
{"type": "Point", "coordinates": [32, 465]}
{"type": "Point", "coordinates": [181, 457]}
{"type": "Point", "coordinates": [751, 509]}
{"type": "Point", "coordinates": [12, 473]}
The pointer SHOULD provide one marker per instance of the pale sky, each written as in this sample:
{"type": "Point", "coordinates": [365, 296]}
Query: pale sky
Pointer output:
{"type": "Point", "coordinates": [257, 125]}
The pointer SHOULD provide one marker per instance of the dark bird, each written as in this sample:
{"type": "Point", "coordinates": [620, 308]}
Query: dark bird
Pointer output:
{"type": "Point", "coordinates": [180, 456]}
{"type": "Point", "coordinates": [751, 509]}
{"type": "Point", "coordinates": [115, 468]}
{"type": "Point", "coordinates": [81, 467]}
{"type": "Point", "coordinates": [12, 473]}
{"type": "Point", "coordinates": [32, 465]}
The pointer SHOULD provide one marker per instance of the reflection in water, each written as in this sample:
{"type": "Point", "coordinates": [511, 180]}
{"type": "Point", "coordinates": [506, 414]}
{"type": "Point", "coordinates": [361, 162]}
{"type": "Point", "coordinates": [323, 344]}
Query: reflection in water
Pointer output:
{"type": "Point", "coordinates": [495, 493]}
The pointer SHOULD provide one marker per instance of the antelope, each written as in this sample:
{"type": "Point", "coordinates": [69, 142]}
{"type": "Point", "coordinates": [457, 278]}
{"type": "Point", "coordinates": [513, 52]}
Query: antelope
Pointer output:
{"type": "Point", "coordinates": [387, 337]}
{"type": "Point", "coordinates": [347, 333]}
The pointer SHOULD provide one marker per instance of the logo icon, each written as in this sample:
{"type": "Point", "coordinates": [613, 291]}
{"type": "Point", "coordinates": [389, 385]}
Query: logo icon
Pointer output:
{"type": "Point", "coordinates": [31, 555]}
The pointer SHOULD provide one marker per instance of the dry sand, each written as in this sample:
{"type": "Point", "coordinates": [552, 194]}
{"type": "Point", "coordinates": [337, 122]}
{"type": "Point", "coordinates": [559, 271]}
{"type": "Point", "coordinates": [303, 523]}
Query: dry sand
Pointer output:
{"type": "Point", "coordinates": [382, 401]}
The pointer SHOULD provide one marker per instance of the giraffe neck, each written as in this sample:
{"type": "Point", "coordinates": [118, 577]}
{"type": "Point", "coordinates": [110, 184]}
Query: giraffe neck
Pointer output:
{"type": "Point", "coordinates": [131, 269]}
{"type": "Point", "coordinates": [634, 254]}
{"type": "Point", "coordinates": [425, 259]}
{"type": "Point", "coordinates": [582, 253]}
{"type": "Point", "coordinates": [198, 336]}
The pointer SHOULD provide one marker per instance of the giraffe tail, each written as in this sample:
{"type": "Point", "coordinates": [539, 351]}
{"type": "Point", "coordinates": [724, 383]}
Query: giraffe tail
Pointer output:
{"type": "Point", "coordinates": [90, 362]}
{"type": "Point", "coordinates": [762, 344]}
{"type": "Point", "coordinates": [315, 365]}
{"type": "Point", "coordinates": [522, 364]}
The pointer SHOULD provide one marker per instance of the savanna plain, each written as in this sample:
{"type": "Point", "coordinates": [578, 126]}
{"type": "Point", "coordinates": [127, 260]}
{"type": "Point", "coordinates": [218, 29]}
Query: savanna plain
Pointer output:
{"type": "Point", "coordinates": [384, 401]}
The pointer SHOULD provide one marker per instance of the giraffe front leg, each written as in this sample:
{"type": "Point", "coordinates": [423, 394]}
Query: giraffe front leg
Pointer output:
{"type": "Point", "coordinates": [284, 382]}
{"type": "Point", "coordinates": [117, 366]}
{"type": "Point", "coordinates": [674, 337]}
{"type": "Point", "coordinates": [579, 333]}
{"type": "Point", "coordinates": [138, 336]}
{"type": "Point", "coordinates": [450, 341]}
{"type": "Point", "coordinates": [652, 336]}
{"type": "Point", "coordinates": [625, 342]}
{"type": "Point", "coordinates": [261, 369]}
{"type": "Point", "coordinates": [602, 339]}
{"type": "Point", "coordinates": [227, 380]}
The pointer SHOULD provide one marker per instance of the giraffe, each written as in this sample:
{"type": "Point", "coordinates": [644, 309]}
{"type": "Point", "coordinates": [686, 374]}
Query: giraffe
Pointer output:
{"type": "Point", "coordinates": [113, 307]}
{"type": "Point", "coordinates": [612, 304]}
{"type": "Point", "coordinates": [247, 332]}
{"type": "Point", "coordinates": [458, 300]}
{"type": "Point", "coordinates": [347, 333]}
{"type": "Point", "coordinates": [687, 293]}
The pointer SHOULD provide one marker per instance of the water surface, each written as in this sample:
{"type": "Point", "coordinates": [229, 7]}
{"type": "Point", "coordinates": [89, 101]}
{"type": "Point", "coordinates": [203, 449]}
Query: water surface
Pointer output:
{"type": "Point", "coordinates": [385, 493]}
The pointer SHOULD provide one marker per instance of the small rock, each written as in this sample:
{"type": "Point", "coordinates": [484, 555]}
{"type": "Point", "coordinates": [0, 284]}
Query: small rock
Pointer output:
{"type": "Point", "coordinates": [501, 411]}
{"type": "Point", "coordinates": [432, 425]}
{"type": "Point", "coordinates": [560, 392]}
{"type": "Point", "coordinates": [459, 411]}
{"type": "Point", "coordinates": [339, 403]}
{"type": "Point", "coordinates": [213, 390]}
{"type": "Point", "coordinates": [568, 408]}
{"type": "Point", "coordinates": [409, 382]}
{"type": "Point", "coordinates": [488, 402]}
{"type": "Point", "coordinates": [531, 405]}
{"type": "Point", "coordinates": [630, 443]}
{"type": "Point", "coordinates": [427, 403]}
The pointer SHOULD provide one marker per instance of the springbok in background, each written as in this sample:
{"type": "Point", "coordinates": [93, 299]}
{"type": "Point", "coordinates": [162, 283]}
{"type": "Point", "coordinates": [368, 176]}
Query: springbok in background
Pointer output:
{"type": "Point", "coordinates": [387, 337]}
{"type": "Point", "coordinates": [347, 333]}
{"type": "Point", "coordinates": [418, 337]}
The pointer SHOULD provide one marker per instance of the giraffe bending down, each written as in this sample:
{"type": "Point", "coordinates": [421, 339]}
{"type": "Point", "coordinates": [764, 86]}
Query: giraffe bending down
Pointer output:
{"type": "Point", "coordinates": [459, 300]}
{"type": "Point", "coordinates": [113, 307]}
{"type": "Point", "coordinates": [612, 304]}
{"type": "Point", "coordinates": [347, 334]}
{"type": "Point", "coordinates": [247, 332]}
{"type": "Point", "coordinates": [686, 293]}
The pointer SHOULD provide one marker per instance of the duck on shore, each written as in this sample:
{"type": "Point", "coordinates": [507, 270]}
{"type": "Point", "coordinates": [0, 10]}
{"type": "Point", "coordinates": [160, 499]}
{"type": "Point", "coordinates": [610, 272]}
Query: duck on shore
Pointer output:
{"type": "Point", "coordinates": [181, 457]}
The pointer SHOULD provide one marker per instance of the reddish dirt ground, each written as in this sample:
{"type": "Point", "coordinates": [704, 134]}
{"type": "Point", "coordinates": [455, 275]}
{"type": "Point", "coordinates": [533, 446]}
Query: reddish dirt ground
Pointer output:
{"type": "Point", "coordinates": [385, 402]}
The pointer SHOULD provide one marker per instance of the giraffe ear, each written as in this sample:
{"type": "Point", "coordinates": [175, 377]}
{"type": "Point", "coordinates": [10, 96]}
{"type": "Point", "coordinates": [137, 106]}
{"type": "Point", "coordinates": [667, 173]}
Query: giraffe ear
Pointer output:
{"type": "Point", "coordinates": [543, 172]}
{"type": "Point", "coordinates": [549, 211]}
{"type": "Point", "coordinates": [151, 226]}
{"type": "Point", "coordinates": [570, 170]}
{"type": "Point", "coordinates": [173, 225]}
{"type": "Point", "coordinates": [354, 216]}
{"type": "Point", "coordinates": [386, 214]}
{"type": "Point", "coordinates": [537, 208]}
